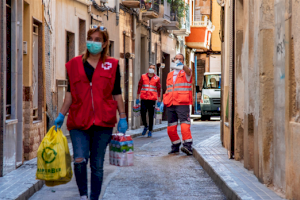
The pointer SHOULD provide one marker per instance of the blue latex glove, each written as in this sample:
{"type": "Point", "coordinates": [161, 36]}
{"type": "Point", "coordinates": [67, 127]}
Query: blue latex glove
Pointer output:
{"type": "Point", "coordinates": [59, 121]}
{"type": "Point", "coordinates": [122, 125]}
{"type": "Point", "coordinates": [161, 107]}
{"type": "Point", "coordinates": [137, 101]}
{"type": "Point", "coordinates": [178, 63]}
{"type": "Point", "coordinates": [158, 104]}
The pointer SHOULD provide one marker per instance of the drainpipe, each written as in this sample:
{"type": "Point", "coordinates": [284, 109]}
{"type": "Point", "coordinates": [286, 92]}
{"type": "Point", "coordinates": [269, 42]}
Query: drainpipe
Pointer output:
{"type": "Point", "coordinates": [150, 41]}
{"type": "Point", "coordinates": [134, 27]}
{"type": "Point", "coordinates": [117, 11]}
{"type": "Point", "coordinates": [232, 85]}
{"type": "Point", "coordinates": [211, 10]}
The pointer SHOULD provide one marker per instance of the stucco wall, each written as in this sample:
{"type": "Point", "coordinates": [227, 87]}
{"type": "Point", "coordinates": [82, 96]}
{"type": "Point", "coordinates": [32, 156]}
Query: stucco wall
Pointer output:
{"type": "Point", "coordinates": [168, 45]}
{"type": "Point", "coordinates": [279, 95]}
{"type": "Point", "coordinates": [292, 80]}
{"type": "Point", "coordinates": [32, 9]}
{"type": "Point", "coordinates": [67, 14]}
{"type": "Point", "coordinates": [266, 91]}
{"type": "Point", "coordinates": [216, 20]}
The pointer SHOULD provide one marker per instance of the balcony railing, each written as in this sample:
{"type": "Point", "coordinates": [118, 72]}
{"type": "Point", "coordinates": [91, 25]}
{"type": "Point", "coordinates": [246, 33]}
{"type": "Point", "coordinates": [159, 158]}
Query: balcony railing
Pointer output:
{"type": "Point", "coordinates": [204, 23]}
{"type": "Point", "coordinates": [174, 17]}
{"type": "Point", "coordinates": [167, 8]}
{"type": "Point", "coordinates": [185, 22]}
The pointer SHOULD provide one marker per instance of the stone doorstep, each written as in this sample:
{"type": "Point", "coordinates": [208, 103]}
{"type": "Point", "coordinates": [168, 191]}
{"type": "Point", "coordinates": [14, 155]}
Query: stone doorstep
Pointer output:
{"type": "Point", "coordinates": [232, 178]}
{"type": "Point", "coordinates": [26, 185]}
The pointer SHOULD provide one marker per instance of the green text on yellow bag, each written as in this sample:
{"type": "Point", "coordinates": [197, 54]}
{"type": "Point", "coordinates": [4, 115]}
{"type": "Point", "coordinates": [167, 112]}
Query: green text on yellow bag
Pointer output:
{"type": "Point", "coordinates": [53, 158]}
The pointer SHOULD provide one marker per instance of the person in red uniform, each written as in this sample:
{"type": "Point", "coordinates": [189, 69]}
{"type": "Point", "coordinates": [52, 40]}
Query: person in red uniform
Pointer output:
{"type": "Point", "coordinates": [92, 99]}
{"type": "Point", "coordinates": [149, 91]}
{"type": "Point", "coordinates": [177, 98]}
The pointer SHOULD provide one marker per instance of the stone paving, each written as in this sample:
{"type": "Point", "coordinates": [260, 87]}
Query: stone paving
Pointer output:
{"type": "Point", "coordinates": [21, 183]}
{"type": "Point", "coordinates": [157, 175]}
{"type": "Point", "coordinates": [138, 132]}
{"type": "Point", "coordinates": [235, 181]}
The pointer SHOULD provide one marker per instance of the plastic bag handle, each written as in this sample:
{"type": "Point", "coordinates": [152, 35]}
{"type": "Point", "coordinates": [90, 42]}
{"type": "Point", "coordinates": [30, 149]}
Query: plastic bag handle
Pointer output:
{"type": "Point", "coordinates": [53, 132]}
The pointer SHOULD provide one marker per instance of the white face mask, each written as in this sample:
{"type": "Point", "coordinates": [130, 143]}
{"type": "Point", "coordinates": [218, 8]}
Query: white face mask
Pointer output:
{"type": "Point", "coordinates": [151, 71]}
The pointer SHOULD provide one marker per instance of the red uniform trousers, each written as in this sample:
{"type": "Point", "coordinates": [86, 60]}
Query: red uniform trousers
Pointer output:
{"type": "Point", "coordinates": [181, 112]}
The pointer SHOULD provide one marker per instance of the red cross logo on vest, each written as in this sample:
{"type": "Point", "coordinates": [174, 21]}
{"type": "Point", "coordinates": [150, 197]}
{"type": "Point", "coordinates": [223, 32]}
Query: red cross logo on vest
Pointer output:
{"type": "Point", "coordinates": [107, 66]}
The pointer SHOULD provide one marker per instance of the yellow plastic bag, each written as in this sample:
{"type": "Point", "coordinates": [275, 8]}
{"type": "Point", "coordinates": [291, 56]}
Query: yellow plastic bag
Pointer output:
{"type": "Point", "coordinates": [53, 159]}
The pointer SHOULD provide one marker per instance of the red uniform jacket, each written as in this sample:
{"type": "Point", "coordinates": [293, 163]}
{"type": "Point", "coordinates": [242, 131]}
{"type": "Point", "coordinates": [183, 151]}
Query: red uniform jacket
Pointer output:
{"type": "Point", "coordinates": [180, 92]}
{"type": "Point", "coordinates": [149, 89]}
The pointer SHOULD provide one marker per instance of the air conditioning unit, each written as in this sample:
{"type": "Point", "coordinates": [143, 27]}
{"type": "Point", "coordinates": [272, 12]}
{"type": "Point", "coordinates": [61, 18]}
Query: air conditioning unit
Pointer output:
{"type": "Point", "coordinates": [25, 47]}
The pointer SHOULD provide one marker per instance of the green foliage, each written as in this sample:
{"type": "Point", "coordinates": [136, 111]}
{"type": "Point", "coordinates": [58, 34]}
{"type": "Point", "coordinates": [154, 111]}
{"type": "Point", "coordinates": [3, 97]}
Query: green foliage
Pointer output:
{"type": "Point", "coordinates": [179, 7]}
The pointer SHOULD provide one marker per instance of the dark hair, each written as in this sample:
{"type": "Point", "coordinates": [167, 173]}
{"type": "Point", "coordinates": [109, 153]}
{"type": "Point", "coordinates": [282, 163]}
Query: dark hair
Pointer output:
{"type": "Point", "coordinates": [181, 55]}
{"type": "Point", "coordinates": [152, 65]}
{"type": "Point", "coordinates": [105, 39]}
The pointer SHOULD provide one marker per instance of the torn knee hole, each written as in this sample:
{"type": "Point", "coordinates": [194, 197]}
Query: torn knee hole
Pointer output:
{"type": "Point", "coordinates": [79, 160]}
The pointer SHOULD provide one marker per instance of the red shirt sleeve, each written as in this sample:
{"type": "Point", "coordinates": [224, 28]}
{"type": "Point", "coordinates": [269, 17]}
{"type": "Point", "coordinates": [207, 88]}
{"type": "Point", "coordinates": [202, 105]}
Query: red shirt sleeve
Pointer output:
{"type": "Point", "coordinates": [140, 86]}
{"type": "Point", "coordinates": [158, 88]}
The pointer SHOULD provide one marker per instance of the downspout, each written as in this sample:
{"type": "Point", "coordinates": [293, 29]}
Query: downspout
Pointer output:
{"type": "Point", "coordinates": [134, 27]}
{"type": "Point", "coordinates": [150, 42]}
{"type": "Point", "coordinates": [210, 11]}
{"type": "Point", "coordinates": [3, 79]}
{"type": "Point", "coordinates": [133, 64]}
{"type": "Point", "coordinates": [211, 23]}
{"type": "Point", "coordinates": [232, 70]}
{"type": "Point", "coordinates": [117, 12]}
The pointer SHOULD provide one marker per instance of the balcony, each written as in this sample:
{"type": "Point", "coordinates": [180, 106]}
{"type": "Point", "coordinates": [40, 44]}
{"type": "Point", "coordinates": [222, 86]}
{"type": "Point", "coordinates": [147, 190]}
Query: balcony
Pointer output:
{"type": "Point", "coordinates": [200, 35]}
{"type": "Point", "coordinates": [174, 25]}
{"type": "Point", "coordinates": [149, 9]}
{"type": "Point", "coordinates": [131, 3]}
{"type": "Point", "coordinates": [185, 26]}
{"type": "Point", "coordinates": [166, 19]}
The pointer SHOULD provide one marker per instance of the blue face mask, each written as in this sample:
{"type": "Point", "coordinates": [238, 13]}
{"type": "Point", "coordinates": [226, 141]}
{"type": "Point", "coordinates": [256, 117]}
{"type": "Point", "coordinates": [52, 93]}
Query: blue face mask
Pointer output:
{"type": "Point", "coordinates": [94, 47]}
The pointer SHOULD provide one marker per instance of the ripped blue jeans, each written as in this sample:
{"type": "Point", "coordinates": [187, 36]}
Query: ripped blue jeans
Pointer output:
{"type": "Point", "coordinates": [90, 144]}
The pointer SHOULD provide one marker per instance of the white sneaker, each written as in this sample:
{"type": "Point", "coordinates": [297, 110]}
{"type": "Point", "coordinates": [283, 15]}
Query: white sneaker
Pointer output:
{"type": "Point", "coordinates": [83, 198]}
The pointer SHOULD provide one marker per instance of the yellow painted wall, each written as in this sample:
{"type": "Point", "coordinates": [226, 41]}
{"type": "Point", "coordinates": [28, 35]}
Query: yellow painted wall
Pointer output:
{"type": "Point", "coordinates": [216, 10]}
{"type": "Point", "coordinates": [33, 9]}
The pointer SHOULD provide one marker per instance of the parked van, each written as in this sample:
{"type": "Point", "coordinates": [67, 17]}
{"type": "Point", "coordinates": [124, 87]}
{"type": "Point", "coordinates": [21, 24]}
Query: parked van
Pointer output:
{"type": "Point", "coordinates": [211, 95]}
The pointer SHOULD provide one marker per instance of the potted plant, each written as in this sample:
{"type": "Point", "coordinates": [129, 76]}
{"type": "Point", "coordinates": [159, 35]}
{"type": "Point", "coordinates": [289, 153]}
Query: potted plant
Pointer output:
{"type": "Point", "coordinates": [148, 4]}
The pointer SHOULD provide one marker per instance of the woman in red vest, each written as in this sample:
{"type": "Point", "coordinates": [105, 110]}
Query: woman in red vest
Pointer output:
{"type": "Point", "coordinates": [92, 99]}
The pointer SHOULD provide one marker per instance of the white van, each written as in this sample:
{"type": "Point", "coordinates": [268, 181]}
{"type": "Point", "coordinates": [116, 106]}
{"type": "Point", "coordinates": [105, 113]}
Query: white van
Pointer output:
{"type": "Point", "coordinates": [210, 95]}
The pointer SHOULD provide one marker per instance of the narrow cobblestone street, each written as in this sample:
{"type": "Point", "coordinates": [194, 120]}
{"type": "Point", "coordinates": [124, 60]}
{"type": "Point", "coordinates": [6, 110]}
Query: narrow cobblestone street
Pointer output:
{"type": "Point", "coordinates": [155, 175]}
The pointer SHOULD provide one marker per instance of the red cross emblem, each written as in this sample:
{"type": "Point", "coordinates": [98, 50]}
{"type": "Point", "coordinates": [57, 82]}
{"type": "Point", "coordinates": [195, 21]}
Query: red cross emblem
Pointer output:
{"type": "Point", "coordinates": [107, 66]}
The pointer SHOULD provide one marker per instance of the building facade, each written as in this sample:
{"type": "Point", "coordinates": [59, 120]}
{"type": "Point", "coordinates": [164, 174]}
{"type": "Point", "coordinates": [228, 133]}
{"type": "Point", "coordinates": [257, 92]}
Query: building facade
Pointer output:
{"type": "Point", "coordinates": [39, 37]}
{"type": "Point", "coordinates": [11, 86]}
{"type": "Point", "coordinates": [260, 90]}
{"type": "Point", "coordinates": [22, 82]}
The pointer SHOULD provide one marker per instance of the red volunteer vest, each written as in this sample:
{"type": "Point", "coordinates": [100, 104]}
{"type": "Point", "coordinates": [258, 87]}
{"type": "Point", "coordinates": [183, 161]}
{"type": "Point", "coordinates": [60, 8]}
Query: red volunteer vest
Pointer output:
{"type": "Point", "coordinates": [92, 102]}
{"type": "Point", "coordinates": [149, 88]}
{"type": "Point", "coordinates": [180, 92]}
